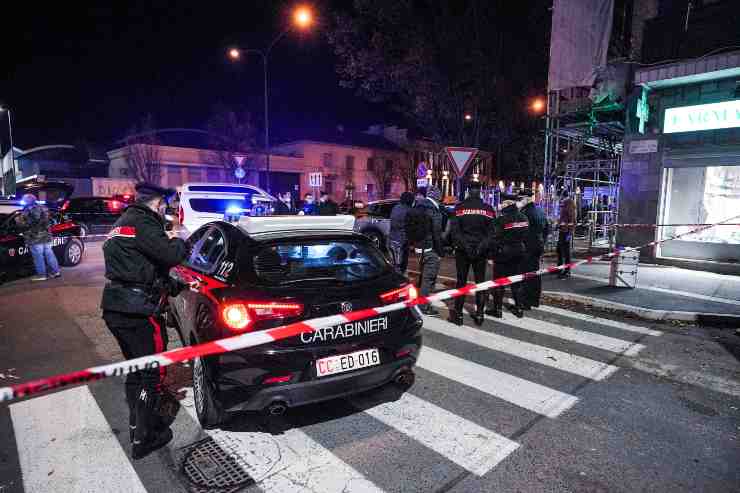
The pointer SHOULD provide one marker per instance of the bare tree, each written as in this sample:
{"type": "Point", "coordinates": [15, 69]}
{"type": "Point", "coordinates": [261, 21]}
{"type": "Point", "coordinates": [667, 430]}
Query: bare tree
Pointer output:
{"type": "Point", "coordinates": [384, 173]}
{"type": "Point", "coordinates": [407, 171]}
{"type": "Point", "coordinates": [143, 156]}
{"type": "Point", "coordinates": [231, 135]}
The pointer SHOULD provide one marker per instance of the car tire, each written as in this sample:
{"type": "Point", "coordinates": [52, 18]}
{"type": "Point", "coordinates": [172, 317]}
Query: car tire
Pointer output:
{"type": "Point", "coordinates": [376, 237]}
{"type": "Point", "coordinates": [206, 406]}
{"type": "Point", "coordinates": [73, 251]}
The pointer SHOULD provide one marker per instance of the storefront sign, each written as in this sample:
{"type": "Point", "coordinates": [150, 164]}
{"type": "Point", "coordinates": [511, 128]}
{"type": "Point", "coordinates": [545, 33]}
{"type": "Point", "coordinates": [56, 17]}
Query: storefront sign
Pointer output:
{"type": "Point", "coordinates": [702, 117]}
{"type": "Point", "coordinates": [643, 146]}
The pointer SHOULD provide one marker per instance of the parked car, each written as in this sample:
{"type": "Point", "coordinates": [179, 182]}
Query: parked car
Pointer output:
{"type": "Point", "coordinates": [95, 215]}
{"type": "Point", "coordinates": [263, 272]}
{"type": "Point", "coordinates": [15, 256]}
{"type": "Point", "coordinates": [202, 203]}
{"type": "Point", "coordinates": [375, 223]}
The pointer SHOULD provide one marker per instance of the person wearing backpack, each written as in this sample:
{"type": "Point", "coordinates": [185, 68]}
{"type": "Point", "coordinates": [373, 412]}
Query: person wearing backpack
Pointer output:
{"type": "Point", "coordinates": [424, 234]}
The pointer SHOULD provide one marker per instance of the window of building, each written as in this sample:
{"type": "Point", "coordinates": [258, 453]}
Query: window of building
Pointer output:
{"type": "Point", "coordinates": [174, 176]}
{"type": "Point", "coordinates": [327, 159]}
{"type": "Point", "coordinates": [329, 187]}
{"type": "Point", "coordinates": [195, 174]}
{"type": "Point", "coordinates": [370, 164]}
{"type": "Point", "coordinates": [387, 188]}
{"type": "Point", "coordinates": [214, 175]}
{"type": "Point", "coordinates": [371, 191]}
{"type": "Point", "coordinates": [350, 163]}
{"type": "Point", "coordinates": [388, 164]}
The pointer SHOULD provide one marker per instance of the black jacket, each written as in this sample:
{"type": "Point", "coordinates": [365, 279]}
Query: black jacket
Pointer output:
{"type": "Point", "coordinates": [471, 224]}
{"type": "Point", "coordinates": [434, 236]}
{"type": "Point", "coordinates": [398, 223]}
{"type": "Point", "coordinates": [510, 230]}
{"type": "Point", "coordinates": [328, 208]}
{"type": "Point", "coordinates": [539, 229]}
{"type": "Point", "coordinates": [138, 255]}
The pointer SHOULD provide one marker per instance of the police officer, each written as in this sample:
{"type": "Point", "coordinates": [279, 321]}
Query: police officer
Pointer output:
{"type": "Point", "coordinates": [508, 245]}
{"type": "Point", "coordinates": [539, 229]}
{"type": "Point", "coordinates": [138, 255]}
{"type": "Point", "coordinates": [469, 228]}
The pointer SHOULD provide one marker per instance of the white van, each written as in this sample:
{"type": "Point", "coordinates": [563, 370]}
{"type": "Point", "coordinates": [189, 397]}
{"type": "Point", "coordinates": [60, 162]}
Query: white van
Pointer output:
{"type": "Point", "coordinates": [202, 203]}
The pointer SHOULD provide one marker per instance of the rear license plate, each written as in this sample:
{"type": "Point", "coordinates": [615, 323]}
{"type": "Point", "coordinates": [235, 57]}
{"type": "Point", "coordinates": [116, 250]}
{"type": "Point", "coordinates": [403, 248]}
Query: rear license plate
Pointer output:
{"type": "Point", "coordinates": [347, 362]}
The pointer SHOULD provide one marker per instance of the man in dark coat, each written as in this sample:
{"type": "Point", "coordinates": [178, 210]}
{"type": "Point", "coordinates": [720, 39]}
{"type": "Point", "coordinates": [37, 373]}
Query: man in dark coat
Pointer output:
{"type": "Point", "coordinates": [469, 227]}
{"type": "Point", "coordinates": [34, 224]}
{"type": "Point", "coordinates": [430, 249]}
{"type": "Point", "coordinates": [327, 207]}
{"type": "Point", "coordinates": [397, 243]}
{"type": "Point", "coordinates": [539, 229]}
{"type": "Point", "coordinates": [508, 248]}
{"type": "Point", "coordinates": [138, 255]}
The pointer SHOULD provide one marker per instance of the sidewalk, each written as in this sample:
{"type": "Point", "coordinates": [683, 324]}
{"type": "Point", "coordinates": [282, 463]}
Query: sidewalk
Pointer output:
{"type": "Point", "coordinates": [662, 293]}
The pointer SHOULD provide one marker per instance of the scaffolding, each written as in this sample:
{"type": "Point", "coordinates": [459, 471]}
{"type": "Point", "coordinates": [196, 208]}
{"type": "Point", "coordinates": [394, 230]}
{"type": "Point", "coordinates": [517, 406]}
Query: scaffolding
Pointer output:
{"type": "Point", "coordinates": [583, 155]}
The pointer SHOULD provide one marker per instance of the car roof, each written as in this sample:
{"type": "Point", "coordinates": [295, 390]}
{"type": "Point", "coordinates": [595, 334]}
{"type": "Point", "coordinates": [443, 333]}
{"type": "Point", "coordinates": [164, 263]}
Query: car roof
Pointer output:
{"type": "Point", "coordinates": [384, 201]}
{"type": "Point", "coordinates": [255, 225]}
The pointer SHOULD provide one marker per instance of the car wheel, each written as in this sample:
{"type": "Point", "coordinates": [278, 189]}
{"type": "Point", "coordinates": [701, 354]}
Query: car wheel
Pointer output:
{"type": "Point", "coordinates": [72, 253]}
{"type": "Point", "coordinates": [376, 238]}
{"type": "Point", "coordinates": [206, 406]}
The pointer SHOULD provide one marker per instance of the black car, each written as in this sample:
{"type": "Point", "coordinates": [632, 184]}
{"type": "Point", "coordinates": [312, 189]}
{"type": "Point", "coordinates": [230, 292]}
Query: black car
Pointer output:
{"type": "Point", "coordinates": [15, 257]}
{"type": "Point", "coordinates": [95, 215]}
{"type": "Point", "coordinates": [248, 281]}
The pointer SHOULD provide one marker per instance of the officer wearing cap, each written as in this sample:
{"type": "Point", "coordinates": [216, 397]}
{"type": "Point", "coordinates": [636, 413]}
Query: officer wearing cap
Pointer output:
{"type": "Point", "coordinates": [138, 255]}
{"type": "Point", "coordinates": [469, 228]}
{"type": "Point", "coordinates": [507, 246]}
{"type": "Point", "coordinates": [539, 230]}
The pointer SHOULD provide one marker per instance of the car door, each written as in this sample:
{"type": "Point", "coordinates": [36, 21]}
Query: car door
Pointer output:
{"type": "Point", "coordinates": [15, 256]}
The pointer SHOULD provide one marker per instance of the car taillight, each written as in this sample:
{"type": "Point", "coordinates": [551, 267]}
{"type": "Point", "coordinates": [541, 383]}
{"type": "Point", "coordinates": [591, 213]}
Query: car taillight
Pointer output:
{"type": "Point", "coordinates": [58, 228]}
{"type": "Point", "coordinates": [241, 316]}
{"type": "Point", "coordinates": [181, 215]}
{"type": "Point", "coordinates": [114, 205]}
{"type": "Point", "coordinates": [405, 293]}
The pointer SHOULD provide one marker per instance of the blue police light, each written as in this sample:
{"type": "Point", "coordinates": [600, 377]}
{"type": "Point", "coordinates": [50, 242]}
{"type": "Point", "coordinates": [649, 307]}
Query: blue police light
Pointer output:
{"type": "Point", "coordinates": [22, 203]}
{"type": "Point", "coordinates": [234, 210]}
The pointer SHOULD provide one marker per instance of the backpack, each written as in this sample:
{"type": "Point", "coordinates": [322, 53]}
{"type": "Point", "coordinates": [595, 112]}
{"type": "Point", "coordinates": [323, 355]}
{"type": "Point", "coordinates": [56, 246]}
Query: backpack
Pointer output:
{"type": "Point", "coordinates": [418, 225]}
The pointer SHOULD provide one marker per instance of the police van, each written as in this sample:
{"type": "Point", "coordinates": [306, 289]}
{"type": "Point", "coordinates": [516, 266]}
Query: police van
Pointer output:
{"type": "Point", "coordinates": [201, 203]}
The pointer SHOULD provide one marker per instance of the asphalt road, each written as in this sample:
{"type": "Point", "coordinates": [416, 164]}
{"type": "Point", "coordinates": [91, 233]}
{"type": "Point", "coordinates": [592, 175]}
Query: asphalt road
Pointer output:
{"type": "Point", "coordinates": [560, 401]}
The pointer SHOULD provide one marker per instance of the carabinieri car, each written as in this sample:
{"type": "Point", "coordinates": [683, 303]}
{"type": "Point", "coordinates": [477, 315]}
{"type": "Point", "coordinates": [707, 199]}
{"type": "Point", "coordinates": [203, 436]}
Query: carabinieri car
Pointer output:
{"type": "Point", "coordinates": [15, 257]}
{"type": "Point", "coordinates": [264, 272]}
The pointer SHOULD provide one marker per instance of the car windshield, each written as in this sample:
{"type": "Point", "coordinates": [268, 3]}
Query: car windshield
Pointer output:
{"type": "Point", "coordinates": [221, 205]}
{"type": "Point", "coordinates": [328, 260]}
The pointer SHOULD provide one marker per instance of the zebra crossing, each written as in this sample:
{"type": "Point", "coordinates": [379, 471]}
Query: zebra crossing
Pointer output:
{"type": "Point", "coordinates": [361, 447]}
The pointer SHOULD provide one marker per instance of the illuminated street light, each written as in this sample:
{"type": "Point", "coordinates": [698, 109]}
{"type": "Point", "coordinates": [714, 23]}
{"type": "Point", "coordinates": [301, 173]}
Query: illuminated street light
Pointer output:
{"type": "Point", "coordinates": [468, 116]}
{"type": "Point", "coordinates": [302, 18]}
{"type": "Point", "coordinates": [538, 105]}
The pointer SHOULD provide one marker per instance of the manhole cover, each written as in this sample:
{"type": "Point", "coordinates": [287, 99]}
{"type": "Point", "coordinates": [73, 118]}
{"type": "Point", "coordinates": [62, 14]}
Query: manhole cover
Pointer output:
{"type": "Point", "coordinates": [209, 468]}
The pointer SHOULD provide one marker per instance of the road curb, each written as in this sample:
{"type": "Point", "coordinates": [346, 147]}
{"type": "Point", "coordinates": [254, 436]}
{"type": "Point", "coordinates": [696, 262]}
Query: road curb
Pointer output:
{"type": "Point", "coordinates": [650, 313]}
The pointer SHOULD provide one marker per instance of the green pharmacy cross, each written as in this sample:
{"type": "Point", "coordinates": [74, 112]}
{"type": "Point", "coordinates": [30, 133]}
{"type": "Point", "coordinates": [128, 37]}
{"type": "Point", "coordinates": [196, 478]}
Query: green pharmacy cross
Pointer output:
{"type": "Point", "coordinates": [643, 110]}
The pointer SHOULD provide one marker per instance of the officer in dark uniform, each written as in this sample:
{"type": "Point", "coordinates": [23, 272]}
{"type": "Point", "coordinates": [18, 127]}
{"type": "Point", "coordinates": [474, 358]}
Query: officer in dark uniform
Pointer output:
{"type": "Point", "coordinates": [539, 229]}
{"type": "Point", "coordinates": [508, 248]}
{"type": "Point", "coordinates": [138, 255]}
{"type": "Point", "coordinates": [469, 228]}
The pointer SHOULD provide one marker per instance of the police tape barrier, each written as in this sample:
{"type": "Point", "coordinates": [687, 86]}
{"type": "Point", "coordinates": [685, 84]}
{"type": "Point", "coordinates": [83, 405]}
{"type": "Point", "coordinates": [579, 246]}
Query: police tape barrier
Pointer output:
{"type": "Point", "coordinates": [251, 339]}
{"type": "Point", "coordinates": [643, 225]}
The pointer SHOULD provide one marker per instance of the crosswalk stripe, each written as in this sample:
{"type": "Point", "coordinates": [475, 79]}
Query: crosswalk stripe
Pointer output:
{"type": "Point", "coordinates": [597, 320]}
{"type": "Point", "coordinates": [546, 356]}
{"type": "Point", "coordinates": [290, 461]}
{"type": "Point", "coordinates": [66, 444]}
{"type": "Point", "coordinates": [465, 443]}
{"type": "Point", "coordinates": [586, 338]}
{"type": "Point", "coordinates": [518, 391]}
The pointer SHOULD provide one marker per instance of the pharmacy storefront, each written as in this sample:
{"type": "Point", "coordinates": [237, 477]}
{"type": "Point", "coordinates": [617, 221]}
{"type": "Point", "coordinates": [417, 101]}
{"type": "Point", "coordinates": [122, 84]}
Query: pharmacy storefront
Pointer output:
{"type": "Point", "coordinates": [681, 168]}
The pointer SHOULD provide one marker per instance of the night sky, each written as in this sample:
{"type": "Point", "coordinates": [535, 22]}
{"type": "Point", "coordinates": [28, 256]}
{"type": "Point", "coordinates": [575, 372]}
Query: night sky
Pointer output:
{"type": "Point", "coordinates": [75, 73]}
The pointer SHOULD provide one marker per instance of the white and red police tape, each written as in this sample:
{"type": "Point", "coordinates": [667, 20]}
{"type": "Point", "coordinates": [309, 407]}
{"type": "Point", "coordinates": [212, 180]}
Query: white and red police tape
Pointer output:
{"type": "Point", "coordinates": [252, 339]}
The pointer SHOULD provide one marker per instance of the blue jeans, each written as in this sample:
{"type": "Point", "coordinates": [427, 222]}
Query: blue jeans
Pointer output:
{"type": "Point", "coordinates": [43, 255]}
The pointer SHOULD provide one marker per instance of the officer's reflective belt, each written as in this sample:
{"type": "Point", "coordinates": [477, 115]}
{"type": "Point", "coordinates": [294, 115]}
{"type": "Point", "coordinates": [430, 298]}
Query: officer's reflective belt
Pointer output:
{"type": "Point", "coordinates": [476, 212]}
{"type": "Point", "coordinates": [423, 250]}
{"type": "Point", "coordinates": [122, 232]}
{"type": "Point", "coordinates": [251, 339]}
{"type": "Point", "coordinates": [522, 224]}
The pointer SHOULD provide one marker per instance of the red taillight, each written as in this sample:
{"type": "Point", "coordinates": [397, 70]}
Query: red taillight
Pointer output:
{"type": "Point", "coordinates": [280, 379]}
{"type": "Point", "coordinates": [65, 206]}
{"type": "Point", "coordinates": [114, 205]}
{"type": "Point", "coordinates": [181, 215]}
{"type": "Point", "coordinates": [241, 316]}
{"type": "Point", "coordinates": [406, 293]}
{"type": "Point", "coordinates": [58, 228]}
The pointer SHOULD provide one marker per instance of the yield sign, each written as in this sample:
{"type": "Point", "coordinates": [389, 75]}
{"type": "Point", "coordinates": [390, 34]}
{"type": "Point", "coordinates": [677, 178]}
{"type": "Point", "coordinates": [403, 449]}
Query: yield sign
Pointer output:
{"type": "Point", "coordinates": [461, 157]}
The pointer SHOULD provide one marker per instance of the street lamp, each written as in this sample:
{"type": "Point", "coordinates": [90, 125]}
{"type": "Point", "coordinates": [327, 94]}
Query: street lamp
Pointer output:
{"type": "Point", "coordinates": [468, 117]}
{"type": "Point", "coordinates": [537, 105]}
{"type": "Point", "coordinates": [12, 150]}
{"type": "Point", "coordinates": [302, 18]}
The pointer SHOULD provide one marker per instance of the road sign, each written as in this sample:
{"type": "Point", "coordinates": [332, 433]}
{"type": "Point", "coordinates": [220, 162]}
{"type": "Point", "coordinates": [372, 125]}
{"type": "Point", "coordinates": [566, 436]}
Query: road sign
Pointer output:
{"type": "Point", "coordinates": [239, 160]}
{"type": "Point", "coordinates": [422, 182]}
{"type": "Point", "coordinates": [421, 170]}
{"type": "Point", "coordinates": [315, 179]}
{"type": "Point", "coordinates": [461, 157]}
{"type": "Point", "coordinates": [240, 173]}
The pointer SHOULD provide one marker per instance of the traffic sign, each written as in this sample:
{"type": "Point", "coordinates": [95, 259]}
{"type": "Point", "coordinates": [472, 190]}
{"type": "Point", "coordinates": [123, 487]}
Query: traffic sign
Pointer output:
{"type": "Point", "coordinates": [421, 170]}
{"type": "Point", "coordinates": [422, 182]}
{"type": "Point", "coordinates": [315, 179]}
{"type": "Point", "coordinates": [461, 157]}
{"type": "Point", "coordinates": [240, 173]}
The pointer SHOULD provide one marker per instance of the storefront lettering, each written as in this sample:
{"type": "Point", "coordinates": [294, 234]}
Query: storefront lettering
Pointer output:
{"type": "Point", "coordinates": [702, 117]}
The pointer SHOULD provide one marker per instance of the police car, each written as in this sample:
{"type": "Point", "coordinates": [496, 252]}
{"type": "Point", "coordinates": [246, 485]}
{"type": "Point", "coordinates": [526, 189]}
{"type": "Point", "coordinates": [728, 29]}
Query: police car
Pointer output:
{"type": "Point", "coordinates": [15, 257]}
{"type": "Point", "coordinates": [263, 272]}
